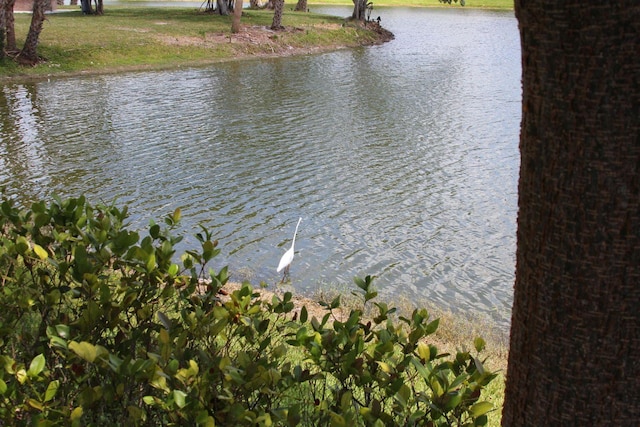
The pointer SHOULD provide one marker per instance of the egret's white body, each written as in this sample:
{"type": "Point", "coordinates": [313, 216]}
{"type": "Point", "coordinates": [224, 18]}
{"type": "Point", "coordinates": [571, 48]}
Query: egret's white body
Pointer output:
{"type": "Point", "coordinates": [286, 259]}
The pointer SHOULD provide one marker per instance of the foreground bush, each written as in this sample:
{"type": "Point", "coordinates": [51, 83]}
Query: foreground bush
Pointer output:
{"type": "Point", "coordinates": [100, 326]}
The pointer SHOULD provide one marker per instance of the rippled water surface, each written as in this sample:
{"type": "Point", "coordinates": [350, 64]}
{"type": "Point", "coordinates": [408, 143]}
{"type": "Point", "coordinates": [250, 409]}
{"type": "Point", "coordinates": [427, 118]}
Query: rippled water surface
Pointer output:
{"type": "Point", "coordinates": [402, 159]}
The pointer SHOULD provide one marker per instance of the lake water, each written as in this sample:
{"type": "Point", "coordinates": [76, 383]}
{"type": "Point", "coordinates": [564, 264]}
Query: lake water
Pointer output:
{"type": "Point", "coordinates": [401, 159]}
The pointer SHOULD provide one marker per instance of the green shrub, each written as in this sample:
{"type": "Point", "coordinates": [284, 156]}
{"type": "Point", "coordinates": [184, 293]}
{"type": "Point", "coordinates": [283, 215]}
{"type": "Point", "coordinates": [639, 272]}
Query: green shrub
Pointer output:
{"type": "Point", "coordinates": [101, 326]}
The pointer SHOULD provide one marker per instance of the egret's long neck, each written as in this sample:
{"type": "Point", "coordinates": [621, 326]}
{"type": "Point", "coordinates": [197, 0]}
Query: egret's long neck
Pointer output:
{"type": "Point", "coordinates": [295, 232]}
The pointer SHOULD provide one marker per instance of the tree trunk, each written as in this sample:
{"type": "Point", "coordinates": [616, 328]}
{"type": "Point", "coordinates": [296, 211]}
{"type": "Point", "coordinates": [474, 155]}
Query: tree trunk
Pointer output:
{"type": "Point", "coordinates": [302, 6]}
{"type": "Point", "coordinates": [99, 7]}
{"type": "Point", "coordinates": [222, 7]}
{"type": "Point", "coordinates": [575, 329]}
{"type": "Point", "coordinates": [3, 27]}
{"type": "Point", "coordinates": [85, 5]}
{"type": "Point", "coordinates": [10, 31]}
{"type": "Point", "coordinates": [237, 14]}
{"type": "Point", "coordinates": [29, 54]}
{"type": "Point", "coordinates": [276, 24]}
{"type": "Point", "coordinates": [254, 4]}
{"type": "Point", "coordinates": [359, 10]}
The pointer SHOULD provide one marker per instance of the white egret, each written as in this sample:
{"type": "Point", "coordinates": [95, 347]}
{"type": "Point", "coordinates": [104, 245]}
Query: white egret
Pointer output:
{"type": "Point", "coordinates": [286, 259]}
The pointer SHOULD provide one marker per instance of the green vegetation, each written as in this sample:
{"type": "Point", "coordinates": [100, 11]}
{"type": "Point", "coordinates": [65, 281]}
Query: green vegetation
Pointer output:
{"type": "Point", "coordinates": [101, 326]}
{"type": "Point", "coordinates": [146, 38]}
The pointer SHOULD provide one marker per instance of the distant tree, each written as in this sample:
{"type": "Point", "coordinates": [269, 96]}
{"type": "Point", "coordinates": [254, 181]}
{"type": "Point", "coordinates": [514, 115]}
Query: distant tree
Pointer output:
{"type": "Point", "coordinates": [7, 32]}
{"type": "Point", "coordinates": [224, 6]}
{"type": "Point", "coordinates": [221, 7]}
{"type": "Point", "coordinates": [237, 14]}
{"type": "Point", "coordinates": [360, 8]}
{"type": "Point", "coordinates": [575, 333]}
{"type": "Point", "coordinates": [87, 9]}
{"type": "Point", "coordinates": [301, 6]}
{"type": "Point", "coordinates": [3, 28]}
{"type": "Point", "coordinates": [278, 8]}
{"type": "Point", "coordinates": [29, 55]}
{"type": "Point", "coordinates": [85, 6]}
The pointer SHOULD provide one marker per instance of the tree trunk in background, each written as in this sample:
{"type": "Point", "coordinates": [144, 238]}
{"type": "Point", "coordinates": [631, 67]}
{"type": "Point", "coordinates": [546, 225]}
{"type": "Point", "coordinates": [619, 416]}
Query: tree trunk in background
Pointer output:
{"type": "Point", "coordinates": [222, 7]}
{"type": "Point", "coordinates": [3, 27]}
{"type": "Point", "coordinates": [276, 24]}
{"type": "Point", "coordinates": [85, 5]}
{"type": "Point", "coordinates": [10, 31]}
{"type": "Point", "coordinates": [575, 332]}
{"type": "Point", "coordinates": [237, 14]}
{"type": "Point", "coordinates": [29, 54]}
{"type": "Point", "coordinates": [359, 10]}
{"type": "Point", "coordinates": [254, 4]}
{"type": "Point", "coordinates": [302, 6]}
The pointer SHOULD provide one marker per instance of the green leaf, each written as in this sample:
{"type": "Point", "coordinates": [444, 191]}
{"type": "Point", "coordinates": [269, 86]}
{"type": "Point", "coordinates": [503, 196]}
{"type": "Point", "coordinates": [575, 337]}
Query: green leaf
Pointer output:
{"type": "Point", "coordinates": [479, 344]}
{"type": "Point", "coordinates": [303, 314]}
{"type": "Point", "coordinates": [35, 404]}
{"type": "Point", "coordinates": [385, 367]}
{"type": "Point", "coordinates": [36, 366]}
{"type": "Point", "coordinates": [179, 397]}
{"type": "Point", "coordinates": [166, 322]}
{"type": "Point", "coordinates": [173, 270]}
{"type": "Point", "coordinates": [163, 337]}
{"type": "Point", "coordinates": [422, 370]}
{"type": "Point", "coordinates": [87, 351]}
{"type": "Point", "coordinates": [151, 263]}
{"type": "Point", "coordinates": [432, 327]}
{"type": "Point", "coordinates": [480, 409]}
{"type": "Point", "coordinates": [479, 366]}
{"type": "Point", "coordinates": [22, 245]}
{"type": "Point", "coordinates": [63, 331]}
{"type": "Point", "coordinates": [40, 251]}
{"type": "Point", "coordinates": [21, 376]}
{"type": "Point", "coordinates": [154, 231]}
{"type": "Point", "coordinates": [76, 414]}
{"type": "Point", "coordinates": [424, 351]}
{"type": "Point", "coordinates": [3, 387]}
{"type": "Point", "coordinates": [453, 400]}
{"type": "Point", "coordinates": [204, 419]}
{"type": "Point", "coordinates": [52, 388]}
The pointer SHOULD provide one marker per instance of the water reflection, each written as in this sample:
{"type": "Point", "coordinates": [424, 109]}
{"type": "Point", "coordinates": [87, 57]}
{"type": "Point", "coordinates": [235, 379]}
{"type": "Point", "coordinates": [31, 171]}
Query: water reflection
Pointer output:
{"type": "Point", "coordinates": [401, 159]}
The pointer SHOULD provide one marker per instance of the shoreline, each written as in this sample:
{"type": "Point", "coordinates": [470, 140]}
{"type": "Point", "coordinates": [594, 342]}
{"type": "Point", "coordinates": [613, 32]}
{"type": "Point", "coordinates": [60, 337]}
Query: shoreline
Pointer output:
{"type": "Point", "coordinates": [304, 36]}
{"type": "Point", "coordinates": [455, 332]}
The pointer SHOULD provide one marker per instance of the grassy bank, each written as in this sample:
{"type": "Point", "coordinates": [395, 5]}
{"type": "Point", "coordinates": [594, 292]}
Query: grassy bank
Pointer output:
{"type": "Point", "coordinates": [129, 38]}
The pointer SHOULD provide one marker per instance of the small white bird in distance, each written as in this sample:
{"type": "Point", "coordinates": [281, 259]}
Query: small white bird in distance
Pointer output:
{"type": "Point", "coordinates": [285, 261]}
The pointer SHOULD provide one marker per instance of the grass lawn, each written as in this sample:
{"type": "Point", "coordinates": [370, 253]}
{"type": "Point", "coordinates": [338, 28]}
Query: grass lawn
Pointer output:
{"type": "Point", "coordinates": [130, 37]}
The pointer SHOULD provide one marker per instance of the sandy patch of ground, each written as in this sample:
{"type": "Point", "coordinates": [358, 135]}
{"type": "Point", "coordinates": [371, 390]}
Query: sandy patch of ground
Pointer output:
{"type": "Point", "coordinates": [314, 309]}
{"type": "Point", "coordinates": [262, 40]}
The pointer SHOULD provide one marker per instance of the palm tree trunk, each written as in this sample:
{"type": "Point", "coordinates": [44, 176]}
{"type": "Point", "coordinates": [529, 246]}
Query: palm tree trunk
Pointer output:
{"type": "Point", "coordinates": [575, 334]}
{"type": "Point", "coordinates": [276, 24]}
{"type": "Point", "coordinates": [3, 28]}
{"type": "Point", "coordinates": [237, 14]}
{"type": "Point", "coordinates": [301, 6]}
{"type": "Point", "coordinates": [29, 54]}
{"type": "Point", "coordinates": [10, 32]}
